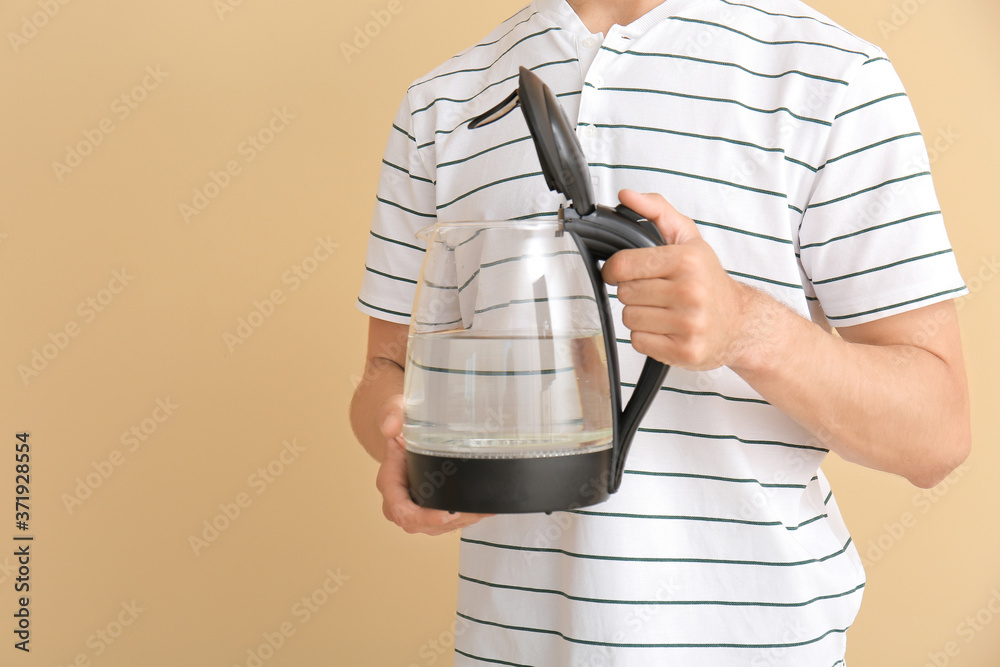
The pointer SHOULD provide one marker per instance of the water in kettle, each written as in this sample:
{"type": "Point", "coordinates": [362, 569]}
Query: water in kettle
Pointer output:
{"type": "Point", "coordinates": [511, 396]}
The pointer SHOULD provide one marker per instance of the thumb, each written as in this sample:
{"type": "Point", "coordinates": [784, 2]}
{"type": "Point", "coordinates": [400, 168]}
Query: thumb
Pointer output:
{"type": "Point", "coordinates": [390, 417]}
{"type": "Point", "coordinates": [674, 227]}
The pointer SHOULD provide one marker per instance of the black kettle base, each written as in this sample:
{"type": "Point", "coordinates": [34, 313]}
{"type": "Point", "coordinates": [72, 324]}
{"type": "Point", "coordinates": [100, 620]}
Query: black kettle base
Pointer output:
{"type": "Point", "coordinates": [509, 485]}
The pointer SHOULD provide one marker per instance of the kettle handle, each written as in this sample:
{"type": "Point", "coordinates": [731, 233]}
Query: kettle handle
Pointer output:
{"type": "Point", "coordinates": [598, 236]}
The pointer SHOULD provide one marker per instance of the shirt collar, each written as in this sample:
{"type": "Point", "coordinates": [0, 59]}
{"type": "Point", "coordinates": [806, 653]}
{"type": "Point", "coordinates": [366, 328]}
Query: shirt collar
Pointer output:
{"type": "Point", "coordinates": [560, 13]}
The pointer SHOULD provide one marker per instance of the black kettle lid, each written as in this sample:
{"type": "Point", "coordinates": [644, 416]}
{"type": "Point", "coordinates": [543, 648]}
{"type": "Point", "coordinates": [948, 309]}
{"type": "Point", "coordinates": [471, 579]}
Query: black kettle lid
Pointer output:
{"type": "Point", "coordinates": [563, 162]}
{"type": "Point", "coordinates": [559, 152]}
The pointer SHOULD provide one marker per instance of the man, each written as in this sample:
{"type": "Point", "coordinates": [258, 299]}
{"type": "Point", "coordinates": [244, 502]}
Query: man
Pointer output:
{"type": "Point", "coordinates": [799, 198]}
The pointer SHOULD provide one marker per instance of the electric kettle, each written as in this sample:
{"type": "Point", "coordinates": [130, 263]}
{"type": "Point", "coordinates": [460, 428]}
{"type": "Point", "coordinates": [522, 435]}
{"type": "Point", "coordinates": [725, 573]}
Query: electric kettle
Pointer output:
{"type": "Point", "coordinates": [512, 399]}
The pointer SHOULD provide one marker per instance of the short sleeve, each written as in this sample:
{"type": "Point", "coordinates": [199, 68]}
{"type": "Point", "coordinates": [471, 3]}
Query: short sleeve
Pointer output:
{"type": "Point", "coordinates": [872, 241]}
{"type": "Point", "coordinates": [404, 205]}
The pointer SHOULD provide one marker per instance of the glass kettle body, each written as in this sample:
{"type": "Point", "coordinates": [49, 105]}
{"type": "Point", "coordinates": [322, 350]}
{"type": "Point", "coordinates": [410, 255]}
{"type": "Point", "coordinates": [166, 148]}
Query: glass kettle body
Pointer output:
{"type": "Point", "coordinates": [511, 397]}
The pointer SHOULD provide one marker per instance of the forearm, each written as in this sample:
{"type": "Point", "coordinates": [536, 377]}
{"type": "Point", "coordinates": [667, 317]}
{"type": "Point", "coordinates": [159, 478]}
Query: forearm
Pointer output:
{"type": "Point", "coordinates": [381, 386]}
{"type": "Point", "coordinates": [898, 408]}
{"type": "Point", "coordinates": [887, 394]}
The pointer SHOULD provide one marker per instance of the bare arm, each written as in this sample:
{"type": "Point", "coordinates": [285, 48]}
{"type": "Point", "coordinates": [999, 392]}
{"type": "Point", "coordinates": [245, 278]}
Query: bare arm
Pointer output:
{"type": "Point", "coordinates": [379, 394]}
{"type": "Point", "coordinates": [377, 420]}
{"type": "Point", "coordinates": [875, 396]}
{"type": "Point", "coordinates": [883, 396]}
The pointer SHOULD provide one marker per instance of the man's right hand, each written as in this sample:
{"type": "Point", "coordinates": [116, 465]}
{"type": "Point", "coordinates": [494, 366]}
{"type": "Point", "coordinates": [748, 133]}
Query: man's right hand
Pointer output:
{"type": "Point", "coordinates": [393, 484]}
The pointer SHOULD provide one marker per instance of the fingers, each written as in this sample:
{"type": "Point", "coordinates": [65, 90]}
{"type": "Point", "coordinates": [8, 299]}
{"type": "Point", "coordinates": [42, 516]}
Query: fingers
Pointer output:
{"type": "Point", "coordinates": [657, 292]}
{"type": "Point", "coordinates": [678, 231]}
{"type": "Point", "coordinates": [672, 261]}
{"type": "Point", "coordinates": [393, 484]}
{"type": "Point", "coordinates": [680, 349]}
{"type": "Point", "coordinates": [685, 322]}
{"type": "Point", "coordinates": [640, 264]}
{"type": "Point", "coordinates": [399, 508]}
{"type": "Point", "coordinates": [689, 338]}
{"type": "Point", "coordinates": [674, 227]}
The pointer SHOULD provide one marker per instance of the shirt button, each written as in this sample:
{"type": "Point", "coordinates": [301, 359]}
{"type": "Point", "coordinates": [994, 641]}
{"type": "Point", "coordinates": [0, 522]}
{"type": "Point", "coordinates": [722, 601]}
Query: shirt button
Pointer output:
{"type": "Point", "coordinates": [590, 131]}
{"type": "Point", "coordinates": [589, 43]}
{"type": "Point", "coordinates": [597, 82]}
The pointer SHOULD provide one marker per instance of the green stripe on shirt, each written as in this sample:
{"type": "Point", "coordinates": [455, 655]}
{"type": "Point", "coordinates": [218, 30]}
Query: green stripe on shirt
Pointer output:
{"type": "Point", "coordinates": [898, 305]}
{"type": "Point", "coordinates": [664, 603]}
{"type": "Point", "coordinates": [721, 63]}
{"type": "Point", "coordinates": [745, 441]}
{"type": "Point", "coordinates": [721, 100]}
{"type": "Point", "coordinates": [883, 267]}
{"type": "Point", "coordinates": [869, 229]}
{"type": "Point", "coordinates": [682, 174]}
{"type": "Point", "coordinates": [635, 645]}
{"type": "Point", "coordinates": [654, 559]}
{"type": "Point", "coordinates": [891, 181]}
{"type": "Point", "coordinates": [788, 42]}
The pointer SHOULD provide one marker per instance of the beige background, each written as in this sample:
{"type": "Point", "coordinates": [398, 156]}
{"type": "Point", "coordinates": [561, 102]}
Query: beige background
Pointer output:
{"type": "Point", "coordinates": [228, 70]}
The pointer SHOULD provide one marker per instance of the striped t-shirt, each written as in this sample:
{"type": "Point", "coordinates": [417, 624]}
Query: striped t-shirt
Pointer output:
{"type": "Point", "coordinates": [794, 147]}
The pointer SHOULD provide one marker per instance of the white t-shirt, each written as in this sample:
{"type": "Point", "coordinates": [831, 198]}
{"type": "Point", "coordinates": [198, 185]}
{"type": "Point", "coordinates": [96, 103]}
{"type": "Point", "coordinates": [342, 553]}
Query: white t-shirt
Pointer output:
{"type": "Point", "coordinates": [794, 147]}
